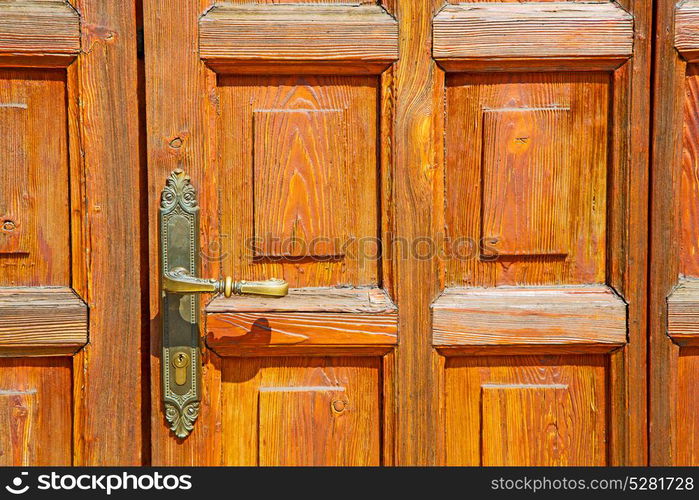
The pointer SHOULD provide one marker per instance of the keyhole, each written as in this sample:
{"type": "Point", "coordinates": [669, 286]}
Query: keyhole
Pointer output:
{"type": "Point", "coordinates": [180, 361]}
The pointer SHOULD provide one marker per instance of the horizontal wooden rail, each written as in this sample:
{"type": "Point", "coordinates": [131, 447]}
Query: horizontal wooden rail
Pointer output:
{"type": "Point", "coordinates": [683, 313]}
{"type": "Point", "coordinates": [49, 28]}
{"type": "Point", "coordinates": [531, 31]}
{"type": "Point", "coordinates": [41, 321]}
{"type": "Point", "coordinates": [309, 317]}
{"type": "Point", "coordinates": [298, 34]}
{"type": "Point", "coordinates": [516, 316]}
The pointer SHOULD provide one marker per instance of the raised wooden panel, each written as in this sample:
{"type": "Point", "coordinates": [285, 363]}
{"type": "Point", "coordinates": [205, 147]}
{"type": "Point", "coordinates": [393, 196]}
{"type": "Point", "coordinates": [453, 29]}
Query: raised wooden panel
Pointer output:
{"type": "Point", "coordinates": [301, 411]}
{"type": "Point", "coordinates": [527, 160]}
{"type": "Point", "coordinates": [298, 162]}
{"type": "Point", "coordinates": [525, 182]}
{"type": "Point", "coordinates": [548, 411]}
{"type": "Point", "coordinates": [306, 317]}
{"type": "Point", "coordinates": [689, 177]}
{"type": "Point", "coordinates": [316, 33]}
{"type": "Point", "coordinates": [35, 412]}
{"type": "Point", "coordinates": [34, 197]}
{"type": "Point", "coordinates": [563, 316]}
{"type": "Point", "coordinates": [300, 177]}
{"type": "Point", "coordinates": [533, 31]}
{"type": "Point", "coordinates": [41, 320]}
{"type": "Point", "coordinates": [39, 27]}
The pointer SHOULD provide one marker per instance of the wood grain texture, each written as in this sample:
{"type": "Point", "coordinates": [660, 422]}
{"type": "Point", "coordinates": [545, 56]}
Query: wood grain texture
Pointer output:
{"type": "Point", "coordinates": [533, 30]}
{"type": "Point", "coordinates": [252, 203]}
{"type": "Point", "coordinates": [298, 33]}
{"type": "Point", "coordinates": [300, 175]}
{"type": "Point", "coordinates": [306, 317]}
{"type": "Point", "coordinates": [35, 412]}
{"type": "Point", "coordinates": [521, 315]}
{"type": "Point", "coordinates": [39, 28]}
{"type": "Point", "coordinates": [688, 223]}
{"type": "Point", "coordinates": [42, 317]}
{"type": "Point", "coordinates": [521, 212]}
{"type": "Point", "coordinates": [181, 132]}
{"type": "Point", "coordinates": [668, 430]}
{"type": "Point", "coordinates": [329, 407]}
{"type": "Point", "coordinates": [104, 105]}
{"type": "Point", "coordinates": [34, 185]}
{"type": "Point", "coordinates": [525, 179]}
{"type": "Point", "coordinates": [627, 270]}
{"type": "Point", "coordinates": [686, 30]}
{"type": "Point", "coordinates": [687, 400]}
{"type": "Point", "coordinates": [548, 410]}
{"type": "Point", "coordinates": [683, 311]}
{"type": "Point", "coordinates": [417, 144]}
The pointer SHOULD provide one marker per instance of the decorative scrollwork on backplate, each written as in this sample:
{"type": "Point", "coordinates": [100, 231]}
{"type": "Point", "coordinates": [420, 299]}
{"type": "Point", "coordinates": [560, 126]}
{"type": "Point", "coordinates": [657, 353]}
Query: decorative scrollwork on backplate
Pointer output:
{"type": "Point", "coordinates": [179, 236]}
{"type": "Point", "coordinates": [181, 420]}
{"type": "Point", "coordinates": [178, 189]}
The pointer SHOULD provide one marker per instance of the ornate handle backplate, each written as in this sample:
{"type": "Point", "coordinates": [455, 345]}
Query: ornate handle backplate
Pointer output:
{"type": "Point", "coordinates": [181, 361]}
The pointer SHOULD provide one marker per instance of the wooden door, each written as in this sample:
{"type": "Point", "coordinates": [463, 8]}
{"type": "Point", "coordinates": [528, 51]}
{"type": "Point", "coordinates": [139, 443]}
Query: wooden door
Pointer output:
{"type": "Point", "coordinates": [456, 194]}
{"type": "Point", "coordinates": [69, 251]}
{"type": "Point", "coordinates": [674, 295]}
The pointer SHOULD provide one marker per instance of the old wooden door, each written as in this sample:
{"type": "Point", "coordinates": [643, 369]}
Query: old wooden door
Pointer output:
{"type": "Point", "coordinates": [69, 252]}
{"type": "Point", "coordinates": [456, 194]}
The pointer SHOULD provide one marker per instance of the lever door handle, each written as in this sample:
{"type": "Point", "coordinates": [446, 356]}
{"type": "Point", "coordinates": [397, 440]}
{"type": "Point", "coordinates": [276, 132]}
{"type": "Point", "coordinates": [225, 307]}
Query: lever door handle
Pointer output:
{"type": "Point", "coordinates": [181, 360]}
{"type": "Point", "coordinates": [179, 281]}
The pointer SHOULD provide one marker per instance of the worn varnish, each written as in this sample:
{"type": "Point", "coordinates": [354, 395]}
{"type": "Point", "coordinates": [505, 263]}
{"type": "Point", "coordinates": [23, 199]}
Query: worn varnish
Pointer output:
{"type": "Point", "coordinates": [42, 320]}
{"type": "Point", "coordinates": [45, 28]}
{"type": "Point", "coordinates": [545, 188]}
{"type": "Point", "coordinates": [300, 176]}
{"type": "Point", "coordinates": [529, 316]}
{"type": "Point", "coordinates": [689, 177]}
{"type": "Point", "coordinates": [331, 317]}
{"type": "Point", "coordinates": [533, 31]}
{"type": "Point", "coordinates": [69, 265]}
{"type": "Point", "coordinates": [513, 161]}
{"type": "Point", "coordinates": [312, 129]}
{"type": "Point", "coordinates": [301, 411]}
{"type": "Point", "coordinates": [673, 365]}
{"type": "Point", "coordinates": [35, 412]}
{"type": "Point", "coordinates": [526, 410]}
{"type": "Point", "coordinates": [34, 197]}
{"type": "Point", "coordinates": [362, 33]}
{"type": "Point", "coordinates": [299, 179]}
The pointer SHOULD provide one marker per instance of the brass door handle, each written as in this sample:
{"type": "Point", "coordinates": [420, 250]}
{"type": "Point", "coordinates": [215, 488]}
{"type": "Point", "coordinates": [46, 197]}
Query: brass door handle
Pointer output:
{"type": "Point", "coordinates": [179, 281]}
{"type": "Point", "coordinates": [179, 259]}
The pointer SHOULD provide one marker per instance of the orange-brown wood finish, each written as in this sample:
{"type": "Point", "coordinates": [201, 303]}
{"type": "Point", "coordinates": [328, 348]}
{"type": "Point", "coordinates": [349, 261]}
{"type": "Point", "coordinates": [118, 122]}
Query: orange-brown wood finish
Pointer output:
{"type": "Point", "coordinates": [69, 265]}
{"type": "Point", "coordinates": [463, 225]}
{"type": "Point", "coordinates": [456, 192]}
{"type": "Point", "coordinates": [286, 155]}
{"type": "Point", "coordinates": [675, 227]}
{"type": "Point", "coordinates": [538, 202]}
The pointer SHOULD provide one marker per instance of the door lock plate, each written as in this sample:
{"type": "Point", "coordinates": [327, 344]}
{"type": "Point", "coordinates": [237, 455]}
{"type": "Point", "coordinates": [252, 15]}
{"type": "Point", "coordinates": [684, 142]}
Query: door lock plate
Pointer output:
{"type": "Point", "coordinates": [181, 362]}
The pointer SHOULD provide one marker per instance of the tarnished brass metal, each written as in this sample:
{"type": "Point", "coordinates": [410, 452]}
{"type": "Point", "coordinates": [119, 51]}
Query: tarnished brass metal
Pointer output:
{"type": "Point", "coordinates": [181, 361]}
{"type": "Point", "coordinates": [179, 281]}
